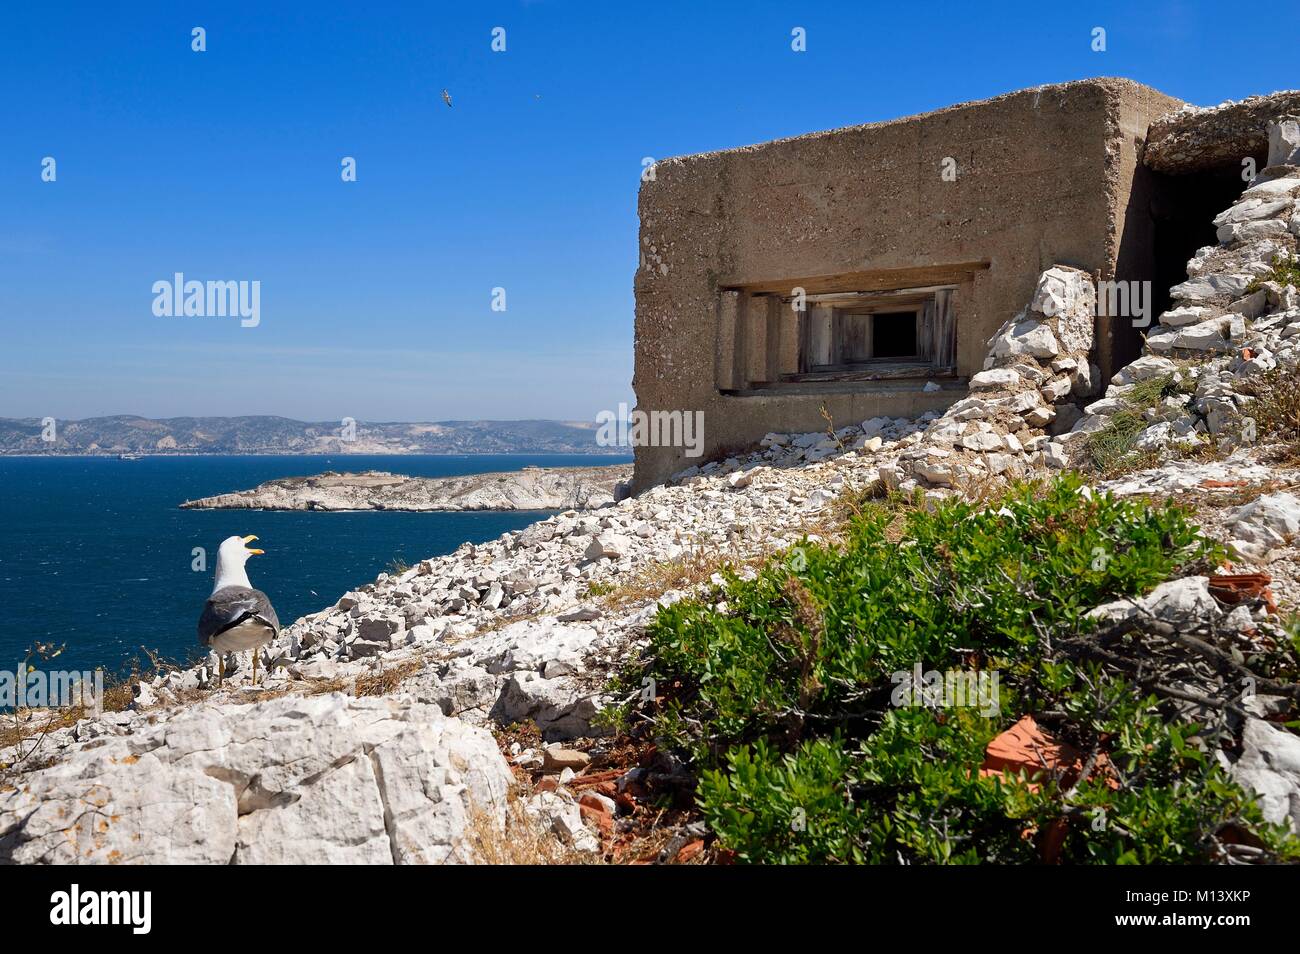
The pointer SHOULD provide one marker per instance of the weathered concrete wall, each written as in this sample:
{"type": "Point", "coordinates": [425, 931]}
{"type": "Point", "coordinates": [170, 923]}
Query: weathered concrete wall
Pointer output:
{"type": "Point", "coordinates": [1043, 175]}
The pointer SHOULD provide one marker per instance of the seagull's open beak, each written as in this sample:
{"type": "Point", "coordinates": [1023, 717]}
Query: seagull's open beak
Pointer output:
{"type": "Point", "coordinates": [247, 541]}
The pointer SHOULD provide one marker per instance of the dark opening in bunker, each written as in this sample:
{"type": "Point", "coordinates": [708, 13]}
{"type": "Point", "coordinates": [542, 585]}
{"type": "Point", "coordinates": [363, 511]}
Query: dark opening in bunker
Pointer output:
{"type": "Point", "coordinates": [1169, 217]}
{"type": "Point", "coordinates": [893, 334]}
{"type": "Point", "coordinates": [1183, 208]}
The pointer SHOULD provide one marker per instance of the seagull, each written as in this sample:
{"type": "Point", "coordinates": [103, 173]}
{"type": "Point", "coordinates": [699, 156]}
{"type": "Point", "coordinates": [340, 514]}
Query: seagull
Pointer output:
{"type": "Point", "coordinates": [236, 616]}
{"type": "Point", "coordinates": [446, 98]}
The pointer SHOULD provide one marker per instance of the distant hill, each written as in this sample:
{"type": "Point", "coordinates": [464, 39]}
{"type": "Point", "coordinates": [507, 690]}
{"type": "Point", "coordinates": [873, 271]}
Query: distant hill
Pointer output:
{"type": "Point", "coordinates": [128, 434]}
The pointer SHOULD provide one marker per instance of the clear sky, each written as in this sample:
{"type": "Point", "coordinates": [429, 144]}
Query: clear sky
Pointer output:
{"type": "Point", "coordinates": [376, 294]}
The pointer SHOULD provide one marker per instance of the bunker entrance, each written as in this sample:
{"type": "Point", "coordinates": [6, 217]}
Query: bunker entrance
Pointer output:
{"type": "Point", "coordinates": [1183, 208]}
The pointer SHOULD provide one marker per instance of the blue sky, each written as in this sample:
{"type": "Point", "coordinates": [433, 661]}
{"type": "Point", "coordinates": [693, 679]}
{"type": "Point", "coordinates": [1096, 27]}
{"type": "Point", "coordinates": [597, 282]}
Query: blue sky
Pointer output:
{"type": "Point", "coordinates": [376, 294]}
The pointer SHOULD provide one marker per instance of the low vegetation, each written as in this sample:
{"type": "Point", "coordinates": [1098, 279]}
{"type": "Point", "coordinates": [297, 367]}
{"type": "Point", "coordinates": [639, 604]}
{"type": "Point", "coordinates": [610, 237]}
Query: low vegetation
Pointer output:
{"type": "Point", "coordinates": [781, 693]}
{"type": "Point", "coordinates": [1286, 271]}
{"type": "Point", "coordinates": [1110, 450]}
{"type": "Point", "coordinates": [693, 568]}
{"type": "Point", "coordinates": [1275, 411]}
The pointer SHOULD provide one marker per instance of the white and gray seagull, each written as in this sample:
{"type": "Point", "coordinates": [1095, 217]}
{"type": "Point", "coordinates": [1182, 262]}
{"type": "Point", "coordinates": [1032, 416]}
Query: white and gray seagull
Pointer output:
{"type": "Point", "coordinates": [236, 617]}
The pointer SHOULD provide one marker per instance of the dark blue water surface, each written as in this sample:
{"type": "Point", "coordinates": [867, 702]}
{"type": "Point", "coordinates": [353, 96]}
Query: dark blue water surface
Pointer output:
{"type": "Point", "coordinates": [95, 554]}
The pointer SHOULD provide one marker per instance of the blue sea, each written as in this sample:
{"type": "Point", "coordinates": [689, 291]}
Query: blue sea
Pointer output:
{"type": "Point", "coordinates": [96, 555]}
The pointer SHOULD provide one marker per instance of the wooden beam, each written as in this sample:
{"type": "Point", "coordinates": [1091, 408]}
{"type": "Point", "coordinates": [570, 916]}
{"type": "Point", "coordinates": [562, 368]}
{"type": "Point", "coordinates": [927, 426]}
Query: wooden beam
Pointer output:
{"type": "Point", "coordinates": [755, 337]}
{"type": "Point", "coordinates": [726, 372]}
{"type": "Point", "coordinates": [788, 331]}
{"type": "Point", "coordinates": [953, 273]}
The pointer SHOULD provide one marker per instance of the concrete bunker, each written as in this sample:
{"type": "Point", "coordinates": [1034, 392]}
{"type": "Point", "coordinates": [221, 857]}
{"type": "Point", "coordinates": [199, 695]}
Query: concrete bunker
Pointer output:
{"type": "Point", "coordinates": [845, 274]}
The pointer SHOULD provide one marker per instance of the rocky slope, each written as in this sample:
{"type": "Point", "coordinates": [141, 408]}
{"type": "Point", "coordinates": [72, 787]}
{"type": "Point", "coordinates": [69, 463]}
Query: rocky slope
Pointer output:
{"type": "Point", "coordinates": [125, 434]}
{"type": "Point", "coordinates": [528, 628]}
{"type": "Point", "coordinates": [532, 488]}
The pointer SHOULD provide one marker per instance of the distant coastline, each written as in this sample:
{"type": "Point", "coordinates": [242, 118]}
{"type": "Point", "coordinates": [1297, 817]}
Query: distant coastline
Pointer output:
{"type": "Point", "coordinates": [132, 436]}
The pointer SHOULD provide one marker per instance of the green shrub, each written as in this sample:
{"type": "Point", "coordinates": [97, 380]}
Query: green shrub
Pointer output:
{"type": "Point", "coordinates": [779, 696]}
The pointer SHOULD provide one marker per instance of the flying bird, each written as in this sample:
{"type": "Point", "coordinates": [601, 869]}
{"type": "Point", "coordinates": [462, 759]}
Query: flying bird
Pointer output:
{"type": "Point", "coordinates": [236, 617]}
{"type": "Point", "coordinates": [446, 97]}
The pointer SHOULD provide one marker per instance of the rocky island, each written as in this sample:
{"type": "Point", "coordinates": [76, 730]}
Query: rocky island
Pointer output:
{"type": "Point", "coordinates": [532, 488]}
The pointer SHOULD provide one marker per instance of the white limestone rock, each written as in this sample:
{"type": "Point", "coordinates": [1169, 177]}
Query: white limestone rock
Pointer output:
{"type": "Point", "coordinates": [1187, 315]}
{"type": "Point", "coordinates": [1217, 334]}
{"type": "Point", "coordinates": [562, 816]}
{"type": "Point", "coordinates": [1287, 186]}
{"type": "Point", "coordinates": [1269, 766]}
{"type": "Point", "coordinates": [1144, 368]}
{"type": "Point", "coordinates": [529, 644]}
{"type": "Point", "coordinates": [1264, 525]}
{"type": "Point", "coordinates": [559, 708]}
{"type": "Point", "coordinates": [1178, 602]}
{"type": "Point", "coordinates": [1211, 289]}
{"type": "Point", "coordinates": [1024, 337]}
{"type": "Point", "coordinates": [994, 379]}
{"type": "Point", "coordinates": [1056, 389]}
{"type": "Point", "coordinates": [1069, 297]}
{"type": "Point", "coordinates": [1233, 233]}
{"type": "Point", "coordinates": [1284, 143]}
{"type": "Point", "coordinates": [607, 544]}
{"type": "Point", "coordinates": [1252, 209]}
{"type": "Point", "coordinates": [318, 780]}
{"type": "Point", "coordinates": [982, 441]}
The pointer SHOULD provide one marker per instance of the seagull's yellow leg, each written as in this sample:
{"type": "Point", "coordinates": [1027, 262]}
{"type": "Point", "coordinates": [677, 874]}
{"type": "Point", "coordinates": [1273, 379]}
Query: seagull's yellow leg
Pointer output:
{"type": "Point", "coordinates": [221, 669]}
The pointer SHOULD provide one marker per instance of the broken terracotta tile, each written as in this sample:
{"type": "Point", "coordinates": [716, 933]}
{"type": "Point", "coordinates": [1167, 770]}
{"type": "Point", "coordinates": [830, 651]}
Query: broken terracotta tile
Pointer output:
{"type": "Point", "coordinates": [690, 850]}
{"type": "Point", "coordinates": [1234, 588]}
{"type": "Point", "coordinates": [1026, 748]}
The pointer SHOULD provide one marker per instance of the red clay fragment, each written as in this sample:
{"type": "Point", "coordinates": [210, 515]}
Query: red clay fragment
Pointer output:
{"type": "Point", "coordinates": [595, 778]}
{"type": "Point", "coordinates": [1026, 748]}
{"type": "Point", "coordinates": [1234, 588]}
{"type": "Point", "coordinates": [690, 850]}
{"type": "Point", "coordinates": [598, 817]}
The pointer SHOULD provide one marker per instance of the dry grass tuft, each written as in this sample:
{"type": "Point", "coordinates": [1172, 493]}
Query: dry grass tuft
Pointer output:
{"type": "Point", "coordinates": [1275, 410]}
{"type": "Point", "coordinates": [1110, 450]}
{"type": "Point", "coordinates": [385, 680]}
{"type": "Point", "coordinates": [693, 569]}
{"type": "Point", "coordinates": [521, 840]}
{"type": "Point", "coordinates": [381, 682]}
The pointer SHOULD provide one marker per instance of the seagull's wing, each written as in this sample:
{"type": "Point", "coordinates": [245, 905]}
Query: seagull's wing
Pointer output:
{"type": "Point", "coordinates": [232, 605]}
